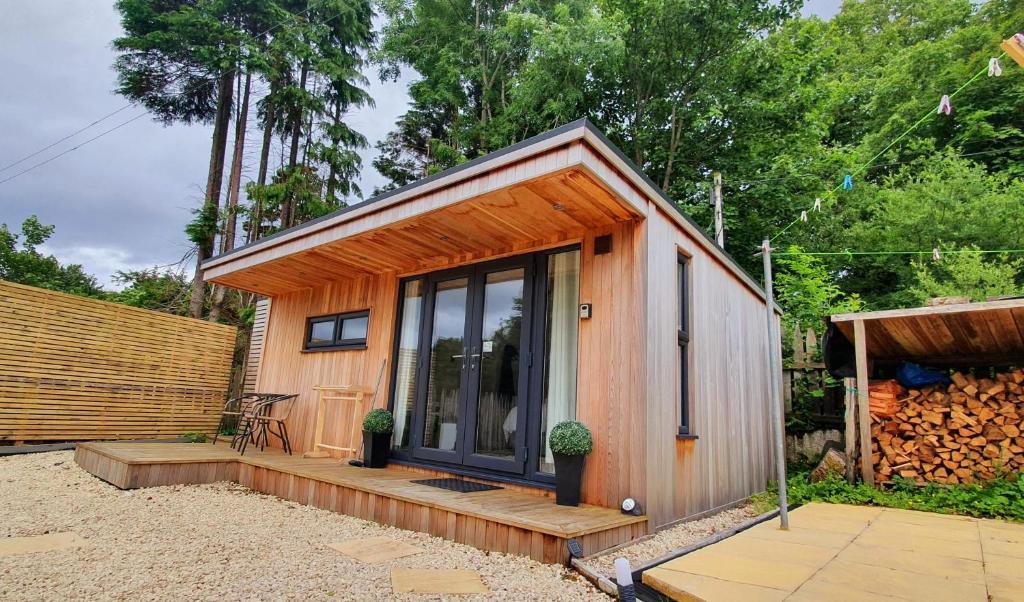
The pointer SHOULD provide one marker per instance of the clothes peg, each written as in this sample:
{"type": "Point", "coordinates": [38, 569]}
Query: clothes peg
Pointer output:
{"type": "Point", "coordinates": [945, 106]}
{"type": "Point", "coordinates": [847, 182]}
{"type": "Point", "coordinates": [936, 254]}
{"type": "Point", "coordinates": [994, 68]}
{"type": "Point", "coordinates": [817, 204]}
{"type": "Point", "coordinates": [803, 216]}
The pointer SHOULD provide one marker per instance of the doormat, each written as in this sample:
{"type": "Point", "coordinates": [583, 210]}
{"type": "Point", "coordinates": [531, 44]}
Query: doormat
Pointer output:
{"type": "Point", "coordinates": [460, 485]}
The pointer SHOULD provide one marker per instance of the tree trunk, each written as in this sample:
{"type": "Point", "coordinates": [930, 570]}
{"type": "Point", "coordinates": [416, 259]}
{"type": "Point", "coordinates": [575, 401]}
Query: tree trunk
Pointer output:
{"type": "Point", "coordinates": [333, 172]}
{"type": "Point", "coordinates": [227, 237]}
{"type": "Point", "coordinates": [295, 123]}
{"type": "Point", "coordinates": [261, 176]}
{"type": "Point", "coordinates": [218, 148]}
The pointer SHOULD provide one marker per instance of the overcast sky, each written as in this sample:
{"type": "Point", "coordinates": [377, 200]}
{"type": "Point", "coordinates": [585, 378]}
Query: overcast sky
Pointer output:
{"type": "Point", "coordinates": [122, 201]}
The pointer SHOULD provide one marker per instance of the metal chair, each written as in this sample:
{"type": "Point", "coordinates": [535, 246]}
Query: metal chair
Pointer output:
{"type": "Point", "coordinates": [261, 423]}
{"type": "Point", "coordinates": [232, 413]}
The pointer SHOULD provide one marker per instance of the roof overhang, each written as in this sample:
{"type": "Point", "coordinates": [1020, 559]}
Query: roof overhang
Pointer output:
{"type": "Point", "coordinates": [967, 334]}
{"type": "Point", "coordinates": [548, 189]}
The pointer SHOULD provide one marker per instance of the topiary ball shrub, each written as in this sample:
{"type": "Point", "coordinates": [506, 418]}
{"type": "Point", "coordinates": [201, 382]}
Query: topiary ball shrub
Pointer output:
{"type": "Point", "coordinates": [571, 438]}
{"type": "Point", "coordinates": [379, 421]}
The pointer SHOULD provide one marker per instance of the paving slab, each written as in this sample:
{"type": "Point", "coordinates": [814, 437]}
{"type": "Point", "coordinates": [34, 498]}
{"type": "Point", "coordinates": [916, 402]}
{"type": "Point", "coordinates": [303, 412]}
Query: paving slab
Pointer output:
{"type": "Point", "coordinates": [889, 581]}
{"type": "Point", "coordinates": [437, 581]}
{"type": "Point", "coordinates": [845, 553]}
{"type": "Point", "coordinates": [915, 562]}
{"type": "Point", "coordinates": [899, 539]}
{"type": "Point", "coordinates": [11, 546]}
{"type": "Point", "coordinates": [687, 586]}
{"type": "Point", "coordinates": [770, 531]}
{"type": "Point", "coordinates": [818, 591]}
{"type": "Point", "coordinates": [375, 549]}
{"type": "Point", "coordinates": [774, 573]}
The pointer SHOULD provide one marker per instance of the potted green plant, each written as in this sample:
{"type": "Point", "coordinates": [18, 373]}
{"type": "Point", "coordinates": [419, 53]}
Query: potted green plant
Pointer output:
{"type": "Point", "coordinates": [570, 443]}
{"type": "Point", "coordinates": [377, 428]}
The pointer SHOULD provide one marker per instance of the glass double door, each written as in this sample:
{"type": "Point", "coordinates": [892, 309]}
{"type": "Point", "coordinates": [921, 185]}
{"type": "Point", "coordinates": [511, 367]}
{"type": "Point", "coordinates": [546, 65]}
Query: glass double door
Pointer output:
{"type": "Point", "coordinates": [475, 341]}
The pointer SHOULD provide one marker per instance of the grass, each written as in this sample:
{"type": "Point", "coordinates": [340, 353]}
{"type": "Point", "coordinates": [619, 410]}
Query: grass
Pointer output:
{"type": "Point", "coordinates": [1000, 498]}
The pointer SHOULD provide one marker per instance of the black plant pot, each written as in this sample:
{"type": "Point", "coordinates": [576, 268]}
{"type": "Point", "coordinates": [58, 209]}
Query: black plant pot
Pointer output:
{"type": "Point", "coordinates": [375, 449]}
{"type": "Point", "coordinates": [568, 474]}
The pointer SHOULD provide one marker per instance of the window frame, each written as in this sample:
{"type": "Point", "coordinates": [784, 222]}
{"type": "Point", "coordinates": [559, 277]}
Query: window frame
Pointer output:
{"type": "Point", "coordinates": [336, 343]}
{"type": "Point", "coordinates": [683, 342]}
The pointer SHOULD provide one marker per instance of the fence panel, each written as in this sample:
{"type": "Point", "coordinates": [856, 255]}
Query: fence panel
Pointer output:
{"type": "Point", "coordinates": [74, 368]}
{"type": "Point", "coordinates": [803, 371]}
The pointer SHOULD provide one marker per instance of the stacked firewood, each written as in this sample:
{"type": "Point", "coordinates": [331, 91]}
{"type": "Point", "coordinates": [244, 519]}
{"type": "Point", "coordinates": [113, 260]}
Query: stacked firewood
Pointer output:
{"type": "Point", "coordinates": [965, 432]}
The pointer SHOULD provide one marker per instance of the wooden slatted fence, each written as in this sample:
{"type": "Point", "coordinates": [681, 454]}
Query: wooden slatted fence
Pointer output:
{"type": "Point", "coordinates": [74, 368]}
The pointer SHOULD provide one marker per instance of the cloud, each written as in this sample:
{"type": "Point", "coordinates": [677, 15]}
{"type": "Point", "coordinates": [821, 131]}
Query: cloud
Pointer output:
{"type": "Point", "coordinates": [103, 262]}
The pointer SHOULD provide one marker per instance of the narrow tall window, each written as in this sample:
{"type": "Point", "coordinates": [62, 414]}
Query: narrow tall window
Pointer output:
{"type": "Point", "coordinates": [684, 342]}
{"type": "Point", "coordinates": [407, 360]}
{"type": "Point", "coordinates": [561, 335]}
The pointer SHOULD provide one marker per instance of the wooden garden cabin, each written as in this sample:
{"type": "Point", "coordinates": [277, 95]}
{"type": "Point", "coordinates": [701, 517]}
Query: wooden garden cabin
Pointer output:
{"type": "Point", "coordinates": [549, 280]}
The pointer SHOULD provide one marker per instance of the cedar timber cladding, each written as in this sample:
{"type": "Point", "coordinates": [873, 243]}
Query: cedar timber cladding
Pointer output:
{"type": "Point", "coordinates": [75, 368]}
{"type": "Point", "coordinates": [729, 411]}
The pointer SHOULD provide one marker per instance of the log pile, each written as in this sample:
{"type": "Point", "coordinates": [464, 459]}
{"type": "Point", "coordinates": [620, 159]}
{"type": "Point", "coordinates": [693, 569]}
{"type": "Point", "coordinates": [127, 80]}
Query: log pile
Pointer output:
{"type": "Point", "coordinates": [968, 431]}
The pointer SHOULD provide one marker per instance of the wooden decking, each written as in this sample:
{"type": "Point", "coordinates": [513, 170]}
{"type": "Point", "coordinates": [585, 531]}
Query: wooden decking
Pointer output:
{"type": "Point", "coordinates": [509, 520]}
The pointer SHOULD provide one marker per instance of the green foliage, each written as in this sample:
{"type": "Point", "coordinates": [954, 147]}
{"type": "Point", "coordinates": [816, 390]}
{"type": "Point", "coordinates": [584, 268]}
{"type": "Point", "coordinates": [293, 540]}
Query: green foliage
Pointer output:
{"type": "Point", "coordinates": [499, 71]}
{"type": "Point", "coordinates": [807, 291]}
{"type": "Point", "coordinates": [194, 437]}
{"type": "Point", "coordinates": [968, 274]}
{"type": "Point", "coordinates": [153, 289]}
{"type": "Point", "coordinates": [1000, 498]}
{"type": "Point", "coordinates": [571, 438]}
{"type": "Point", "coordinates": [203, 226]}
{"type": "Point", "coordinates": [808, 396]}
{"type": "Point", "coordinates": [24, 264]}
{"type": "Point", "coordinates": [379, 421]}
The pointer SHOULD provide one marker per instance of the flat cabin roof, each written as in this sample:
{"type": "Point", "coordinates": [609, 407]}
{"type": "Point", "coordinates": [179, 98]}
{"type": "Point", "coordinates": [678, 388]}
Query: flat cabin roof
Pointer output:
{"type": "Point", "coordinates": [543, 191]}
{"type": "Point", "coordinates": [987, 333]}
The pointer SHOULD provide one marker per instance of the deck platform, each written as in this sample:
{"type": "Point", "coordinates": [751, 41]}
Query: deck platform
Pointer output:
{"type": "Point", "coordinates": [512, 520]}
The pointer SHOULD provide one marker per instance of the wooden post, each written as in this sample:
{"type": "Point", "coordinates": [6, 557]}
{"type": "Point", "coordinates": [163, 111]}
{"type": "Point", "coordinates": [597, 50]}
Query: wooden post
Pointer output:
{"type": "Point", "coordinates": [719, 220]}
{"type": "Point", "coordinates": [775, 374]}
{"type": "Point", "coordinates": [861, 350]}
{"type": "Point", "coordinates": [851, 426]}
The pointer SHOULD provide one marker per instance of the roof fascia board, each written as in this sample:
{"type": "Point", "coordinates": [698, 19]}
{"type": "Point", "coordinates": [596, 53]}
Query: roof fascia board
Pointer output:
{"type": "Point", "coordinates": [511, 154]}
{"type": "Point", "coordinates": [930, 311]}
{"type": "Point", "coordinates": [353, 227]}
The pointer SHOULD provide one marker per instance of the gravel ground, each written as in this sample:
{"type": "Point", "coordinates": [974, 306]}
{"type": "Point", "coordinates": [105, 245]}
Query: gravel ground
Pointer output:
{"type": "Point", "coordinates": [219, 541]}
{"type": "Point", "coordinates": [670, 539]}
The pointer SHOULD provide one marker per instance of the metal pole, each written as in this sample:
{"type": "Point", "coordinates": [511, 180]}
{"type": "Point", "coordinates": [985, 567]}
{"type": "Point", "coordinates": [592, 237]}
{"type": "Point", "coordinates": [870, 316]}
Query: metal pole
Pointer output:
{"type": "Point", "coordinates": [774, 369]}
{"type": "Point", "coordinates": [719, 220]}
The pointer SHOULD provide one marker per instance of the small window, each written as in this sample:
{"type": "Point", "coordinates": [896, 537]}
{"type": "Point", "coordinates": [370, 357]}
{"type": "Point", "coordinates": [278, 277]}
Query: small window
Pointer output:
{"type": "Point", "coordinates": [340, 331]}
{"type": "Point", "coordinates": [684, 343]}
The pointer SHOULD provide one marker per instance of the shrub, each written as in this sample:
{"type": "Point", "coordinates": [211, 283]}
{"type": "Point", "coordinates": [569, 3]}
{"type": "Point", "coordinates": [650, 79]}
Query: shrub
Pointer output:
{"type": "Point", "coordinates": [195, 437]}
{"type": "Point", "coordinates": [571, 438]}
{"type": "Point", "coordinates": [999, 498]}
{"type": "Point", "coordinates": [379, 421]}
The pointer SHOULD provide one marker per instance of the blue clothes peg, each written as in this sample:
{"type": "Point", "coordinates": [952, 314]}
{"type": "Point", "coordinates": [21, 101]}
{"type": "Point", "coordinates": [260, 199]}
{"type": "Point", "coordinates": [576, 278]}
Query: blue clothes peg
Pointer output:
{"type": "Point", "coordinates": [847, 182]}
